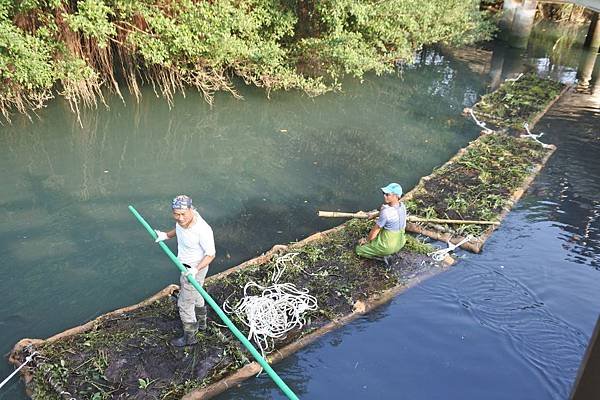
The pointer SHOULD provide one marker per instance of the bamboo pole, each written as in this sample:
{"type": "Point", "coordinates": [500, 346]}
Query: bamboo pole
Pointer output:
{"type": "Point", "coordinates": [411, 218]}
{"type": "Point", "coordinates": [339, 214]}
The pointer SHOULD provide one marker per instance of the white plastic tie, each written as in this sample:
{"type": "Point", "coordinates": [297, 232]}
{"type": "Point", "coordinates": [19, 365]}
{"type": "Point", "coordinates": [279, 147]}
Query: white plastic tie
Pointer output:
{"type": "Point", "coordinates": [439, 255]}
{"type": "Point", "coordinates": [514, 79]}
{"type": "Point", "coordinates": [27, 360]}
{"type": "Point", "coordinates": [480, 123]}
{"type": "Point", "coordinates": [534, 137]}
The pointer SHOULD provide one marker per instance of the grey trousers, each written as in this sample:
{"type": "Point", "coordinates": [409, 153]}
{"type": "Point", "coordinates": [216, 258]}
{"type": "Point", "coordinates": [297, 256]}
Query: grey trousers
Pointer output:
{"type": "Point", "coordinates": [189, 298]}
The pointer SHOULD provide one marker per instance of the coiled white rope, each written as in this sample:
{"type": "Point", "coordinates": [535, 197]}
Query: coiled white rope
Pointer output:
{"type": "Point", "coordinates": [479, 123]}
{"type": "Point", "coordinates": [27, 360]}
{"type": "Point", "coordinates": [534, 137]}
{"type": "Point", "coordinates": [439, 255]}
{"type": "Point", "coordinates": [278, 309]}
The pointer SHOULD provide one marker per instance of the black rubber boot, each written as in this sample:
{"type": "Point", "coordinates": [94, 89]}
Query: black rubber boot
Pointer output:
{"type": "Point", "coordinates": [386, 260]}
{"type": "Point", "coordinates": [189, 335]}
{"type": "Point", "coordinates": [201, 317]}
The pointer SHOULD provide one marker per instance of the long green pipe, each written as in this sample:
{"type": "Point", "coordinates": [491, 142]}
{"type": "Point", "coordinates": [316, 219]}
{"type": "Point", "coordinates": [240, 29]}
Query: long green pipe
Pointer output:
{"type": "Point", "coordinates": [263, 363]}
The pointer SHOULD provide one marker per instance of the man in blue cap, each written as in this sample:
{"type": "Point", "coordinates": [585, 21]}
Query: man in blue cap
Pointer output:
{"type": "Point", "coordinates": [387, 235]}
{"type": "Point", "coordinates": [195, 250]}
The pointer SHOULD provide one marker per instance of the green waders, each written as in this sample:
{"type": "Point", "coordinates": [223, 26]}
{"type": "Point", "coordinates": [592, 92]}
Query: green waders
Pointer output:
{"type": "Point", "coordinates": [385, 243]}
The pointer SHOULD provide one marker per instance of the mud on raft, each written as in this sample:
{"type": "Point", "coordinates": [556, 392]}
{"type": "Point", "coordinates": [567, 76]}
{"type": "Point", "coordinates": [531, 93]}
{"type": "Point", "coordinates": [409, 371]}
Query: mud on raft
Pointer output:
{"type": "Point", "coordinates": [126, 353]}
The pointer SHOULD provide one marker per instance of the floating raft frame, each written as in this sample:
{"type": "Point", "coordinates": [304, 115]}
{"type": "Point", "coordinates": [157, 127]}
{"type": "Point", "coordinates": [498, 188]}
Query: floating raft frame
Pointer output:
{"type": "Point", "coordinates": [360, 307]}
{"type": "Point", "coordinates": [476, 244]}
{"type": "Point", "coordinates": [500, 122]}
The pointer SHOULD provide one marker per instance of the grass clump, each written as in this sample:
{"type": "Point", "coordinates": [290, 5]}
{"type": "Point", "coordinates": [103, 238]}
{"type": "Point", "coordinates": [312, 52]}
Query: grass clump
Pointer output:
{"type": "Point", "coordinates": [479, 184]}
{"type": "Point", "coordinates": [518, 102]}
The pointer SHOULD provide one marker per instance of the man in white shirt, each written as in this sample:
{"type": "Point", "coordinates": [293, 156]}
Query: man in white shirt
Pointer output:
{"type": "Point", "coordinates": [195, 250]}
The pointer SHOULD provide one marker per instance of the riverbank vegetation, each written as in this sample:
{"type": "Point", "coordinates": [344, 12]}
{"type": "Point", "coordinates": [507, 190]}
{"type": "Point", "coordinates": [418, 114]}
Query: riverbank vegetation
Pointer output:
{"type": "Point", "coordinates": [128, 354]}
{"type": "Point", "coordinates": [81, 48]}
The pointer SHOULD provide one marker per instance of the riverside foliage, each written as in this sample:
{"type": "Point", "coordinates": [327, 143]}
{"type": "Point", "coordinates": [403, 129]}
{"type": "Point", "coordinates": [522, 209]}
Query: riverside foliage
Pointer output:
{"type": "Point", "coordinates": [78, 48]}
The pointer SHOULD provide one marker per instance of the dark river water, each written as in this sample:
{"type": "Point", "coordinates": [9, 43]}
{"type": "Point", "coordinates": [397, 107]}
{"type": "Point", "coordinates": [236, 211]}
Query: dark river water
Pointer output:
{"type": "Point", "coordinates": [510, 323]}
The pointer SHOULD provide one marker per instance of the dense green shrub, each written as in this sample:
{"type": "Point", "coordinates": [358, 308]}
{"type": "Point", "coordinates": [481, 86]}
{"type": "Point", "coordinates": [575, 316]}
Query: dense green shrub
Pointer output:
{"type": "Point", "coordinates": [78, 47]}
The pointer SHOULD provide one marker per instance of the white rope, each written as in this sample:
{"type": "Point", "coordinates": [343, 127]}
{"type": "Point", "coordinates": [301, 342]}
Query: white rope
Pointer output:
{"type": "Point", "coordinates": [278, 309]}
{"type": "Point", "coordinates": [514, 79]}
{"type": "Point", "coordinates": [479, 123]}
{"type": "Point", "coordinates": [439, 255]}
{"type": "Point", "coordinates": [27, 360]}
{"type": "Point", "coordinates": [534, 137]}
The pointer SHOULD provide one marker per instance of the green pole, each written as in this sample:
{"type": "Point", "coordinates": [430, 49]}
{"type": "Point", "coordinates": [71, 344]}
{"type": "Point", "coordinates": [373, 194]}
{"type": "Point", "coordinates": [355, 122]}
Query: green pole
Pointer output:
{"type": "Point", "coordinates": [263, 363]}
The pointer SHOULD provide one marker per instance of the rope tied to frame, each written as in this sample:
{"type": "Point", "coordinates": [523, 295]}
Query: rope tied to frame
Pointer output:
{"type": "Point", "coordinates": [513, 80]}
{"type": "Point", "coordinates": [534, 137]}
{"type": "Point", "coordinates": [47, 373]}
{"type": "Point", "coordinates": [278, 309]}
{"type": "Point", "coordinates": [439, 255]}
{"type": "Point", "coordinates": [28, 359]}
{"type": "Point", "coordinates": [480, 123]}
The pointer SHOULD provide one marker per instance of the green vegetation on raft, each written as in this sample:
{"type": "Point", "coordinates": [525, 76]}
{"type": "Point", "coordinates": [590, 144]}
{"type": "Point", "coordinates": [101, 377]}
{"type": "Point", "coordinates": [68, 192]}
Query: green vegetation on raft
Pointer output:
{"type": "Point", "coordinates": [479, 184]}
{"type": "Point", "coordinates": [518, 102]}
{"type": "Point", "coordinates": [129, 354]}
{"type": "Point", "coordinates": [81, 46]}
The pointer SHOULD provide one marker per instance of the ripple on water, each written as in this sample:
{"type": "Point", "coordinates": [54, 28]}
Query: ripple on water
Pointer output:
{"type": "Point", "coordinates": [546, 342]}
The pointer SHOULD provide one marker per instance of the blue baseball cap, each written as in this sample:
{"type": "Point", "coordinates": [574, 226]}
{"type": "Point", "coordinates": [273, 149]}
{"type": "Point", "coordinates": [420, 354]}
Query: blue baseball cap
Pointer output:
{"type": "Point", "coordinates": [394, 188]}
{"type": "Point", "coordinates": [181, 202]}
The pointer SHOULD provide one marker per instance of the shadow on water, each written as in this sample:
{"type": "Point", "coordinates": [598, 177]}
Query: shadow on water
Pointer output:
{"type": "Point", "coordinates": [510, 309]}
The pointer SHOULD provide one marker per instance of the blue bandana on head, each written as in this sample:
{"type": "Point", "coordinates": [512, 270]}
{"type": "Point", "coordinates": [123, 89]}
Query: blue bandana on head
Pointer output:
{"type": "Point", "coordinates": [181, 202]}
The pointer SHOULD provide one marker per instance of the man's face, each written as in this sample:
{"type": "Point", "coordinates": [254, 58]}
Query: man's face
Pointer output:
{"type": "Point", "coordinates": [390, 197]}
{"type": "Point", "coordinates": [183, 217]}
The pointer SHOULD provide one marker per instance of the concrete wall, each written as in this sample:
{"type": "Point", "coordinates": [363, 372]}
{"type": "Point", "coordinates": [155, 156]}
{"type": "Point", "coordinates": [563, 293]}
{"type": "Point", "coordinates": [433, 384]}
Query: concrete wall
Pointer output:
{"type": "Point", "coordinates": [517, 21]}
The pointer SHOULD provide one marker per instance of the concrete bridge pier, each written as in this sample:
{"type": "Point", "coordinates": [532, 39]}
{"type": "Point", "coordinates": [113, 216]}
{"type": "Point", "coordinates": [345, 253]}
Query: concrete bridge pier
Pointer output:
{"type": "Point", "coordinates": [586, 68]}
{"type": "Point", "coordinates": [591, 44]}
{"type": "Point", "coordinates": [592, 40]}
{"type": "Point", "coordinates": [517, 21]}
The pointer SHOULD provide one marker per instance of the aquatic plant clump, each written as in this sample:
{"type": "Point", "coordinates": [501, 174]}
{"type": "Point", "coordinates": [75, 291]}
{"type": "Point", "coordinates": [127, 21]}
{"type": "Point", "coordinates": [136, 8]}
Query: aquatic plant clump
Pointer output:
{"type": "Point", "coordinates": [517, 102]}
{"type": "Point", "coordinates": [78, 47]}
{"type": "Point", "coordinates": [478, 184]}
{"type": "Point", "coordinates": [128, 354]}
